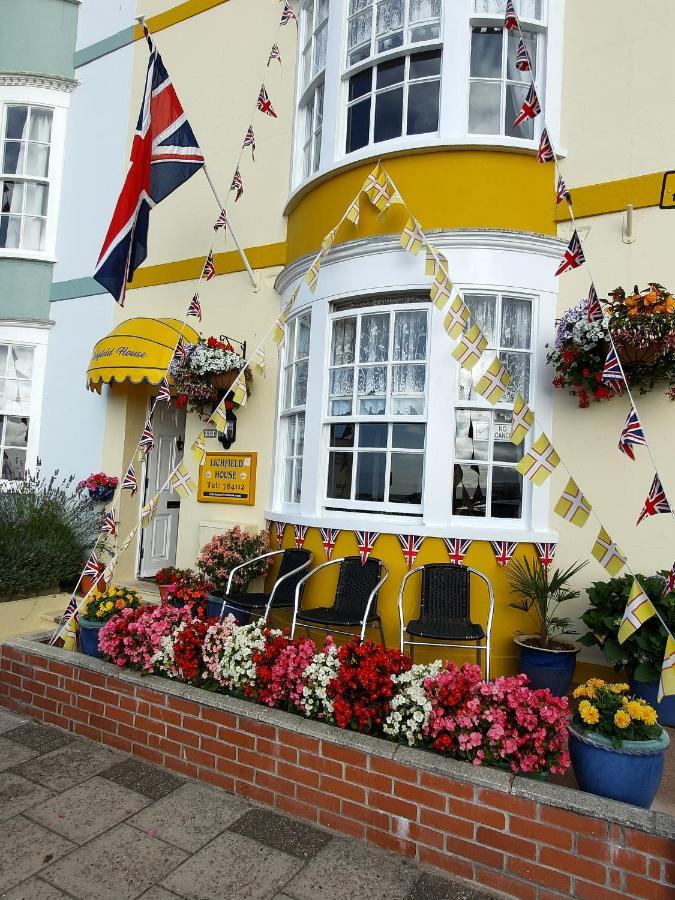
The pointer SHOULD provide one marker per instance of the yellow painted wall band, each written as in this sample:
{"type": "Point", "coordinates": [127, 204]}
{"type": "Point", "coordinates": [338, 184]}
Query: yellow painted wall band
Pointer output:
{"type": "Point", "coordinates": [613, 196]}
{"type": "Point", "coordinates": [177, 14]}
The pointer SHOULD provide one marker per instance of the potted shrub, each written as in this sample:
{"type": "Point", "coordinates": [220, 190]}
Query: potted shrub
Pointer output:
{"type": "Point", "coordinates": [221, 554]}
{"type": "Point", "coordinates": [99, 609]}
{"type": "Point", "coordinates": [641, 655]}
{"type": "Point", "coordinates": [207, 371]}
{"type": "Point", "coordinates": [546, 659]}
{"type": "Point", "coordinates": [166, 579]}
{"type": "Point", "coordinates": [616, 743]}
{"type": "Point", "coordinates": [101, 487]}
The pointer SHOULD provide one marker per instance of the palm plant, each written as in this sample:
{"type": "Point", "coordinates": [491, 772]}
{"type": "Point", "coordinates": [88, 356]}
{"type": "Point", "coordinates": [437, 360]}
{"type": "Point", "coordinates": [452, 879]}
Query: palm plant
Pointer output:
{"type": "Point", "coordinates": [540, 594]}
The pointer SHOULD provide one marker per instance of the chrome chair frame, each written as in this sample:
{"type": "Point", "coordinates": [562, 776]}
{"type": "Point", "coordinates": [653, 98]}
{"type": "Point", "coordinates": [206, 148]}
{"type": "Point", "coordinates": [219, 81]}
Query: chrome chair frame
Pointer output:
{"type": "Point", "coordinates": [248, 562]}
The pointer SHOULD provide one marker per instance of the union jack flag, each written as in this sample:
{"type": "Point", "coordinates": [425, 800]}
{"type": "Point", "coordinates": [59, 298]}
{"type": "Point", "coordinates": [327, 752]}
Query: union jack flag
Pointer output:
{"type": "Point", "coordinates": [457, 550]}
{"type": "Point", "coordinates": [656, 501]}
{"type": "Point", "coordinates": [237, 185]}
{"type": "Point", "coordinates": [279, 530]}
{"type": "Point", "coordinates": [573, 257]}
{"type": "Point", "coordinates": [530, 108]}
{"type": "Point", "coordinates": [503, 551]}
{"type": "Point", "coordinates": [109, 525]}
{"type": "Point", "coordinates": [179, 352]}
{"type": "Point", "coordinates": [561, 192]}
{"type": "Point", "coordinates": [410, 544]}
{"type": "Point", "coordinates": [92, 567]}
{"type": "Point", "coordinates": [632, 434]}
{"type": "Point", "coordinates": [366, 542]}
{"type": "Point", "coordinates": [264, 104]}
{"type": "Point", "coordinates": [510, 19]}
{"type": "Point", "coordinates": [249, 141]}
{"type": "Point", "coordinates": [593, 308]}
{"type": "Point", "coordinates": [328, 539]}
{"type": "Point", "coordinates": [287, 14]}
{"type": "Point", "coordinates": [612, 373]}
{"type": "Point", "coordinates": [195, 307]}
{"type": "Point", "coordinates": [299, 532]}
{"type": "Point", "coordinates": [546, 552]}
{"type": "Point", "coordinates": [221, 221]}
{"type": "Point", "coordinates": [164, 154]}
{"type": "Point", "coordinates": [545, 153]}
{"type": "Point", "coordinates": [209, 270]}
{"type": "Point", "coordinates": [130, 483]}
{"type": "Point", "coordinates": [147, 441]}
{"type": "Point", "coordinates": [164, 392]}
{"type": "Point", "coordinates": [669, 586]}
{"type": "Point", "coordinates": [275, 53]}
{"type": "Point", "coordinates": [522, 57]}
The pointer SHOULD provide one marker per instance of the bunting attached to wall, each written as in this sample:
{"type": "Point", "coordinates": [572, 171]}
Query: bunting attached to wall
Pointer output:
{"type": "Point", "coordinates": [164, 392]}
{"type": "Point", "coordinates": [546, 553]}
{"type": "Point", "coordinates": [259, 361]}
{"type": "Point", "coordinates": [540, 460]}
{"type": "Point", "coordinates": [456, 318]}
{"type": "Point", "coordinates": [179, 352]}
{"type": "Point", "coordinates": [328, 539]}
{"type": "Point", "coordinates": [470, 347]}
{"type": "Point", "coordinates": [612, 373]}
{"type": "Point", "coordinates": [181, 481]}
{"type": "Point", "coordinates": [264, 104]}
{"type": "Point", "coordinates": [287, 14]}
{"type": "Point", "coordinates": [209, 270]}
{"type": "Point", "coordinates": [669, 584]}
{"type": "Point", "coordinates": [510, 17]}
{"type": "Point", "coordinates": [198, 448]}
{"type": "Point", "coordinates": [503, 551]}
{"type": "Point", "coordinates": [522, 420]}
{"type": "Point", "coordinates": [249, 141]}
{"type": "Point", "coordinates": [366, 542]}
{"type": "Point", "coordinates": [656, 501]}
{"type": "Point", "coordinates": [279, 329]}
{"type": "Point", "coordinates": [667, 680]}
{"type": "Point", "coordinates": [147, 441]}
{"type": "Point", "coordinates": [608, 554]}
{"type": "Point", "coordinates": [239, 391]}
{"type": "Point", "coordinates": [299, 533]}
{"type": "Point", "coordinates": [593, 308]}
{"type": "Point", "coordinates": [353, 213]}
{"type": "Point", "coordinates": [92, 567]}
{"type": "Point", "coordinates": [530, 108]}
{"type": "Point", "coordinates": [221, 221]}
{"type": "Point", "coordinates": [311, 278]}
{"type": "Point", "coordinates": [457, 549]}
{"type": "Point", "coordinates": [411, 239]}
{"type": "Point", "coordinates": [638, 609]}
{"type": "Point", "coordinates": [195, 307]}
{"type": "Point", "coordinates": [410, 545]}
{"type": "Point", "coordinates": [522, 57]}
{"type": "Point", "coordinates": [561, 192]}
{"type": "Point", "coordinates": [279, 528]}
{"type": "Point", "coordinates": [109, 525]}
{"type": "Point", "coordinates": [545, 152]}
{"type": "Point", "coordinates": [147, 513]}
{"type": "Point", "coordinates": [130, 483]}
{"type": "Point", "coordinates": [573, 506]}
{"type": "Point", "coordinates": [237, 185]}
{"type": "Point", "coordinates": [494, 381]}
{"type": "Point", "coordinates": [441, 289]}
{"type": "Point", "coordinates": [573, 257]}
{"type": "Point", "coordinates": [275, 53]}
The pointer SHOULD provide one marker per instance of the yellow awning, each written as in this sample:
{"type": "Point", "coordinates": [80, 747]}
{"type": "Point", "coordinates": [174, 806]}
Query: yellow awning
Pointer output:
{"type": "Point", "coordinates": [138, 350]}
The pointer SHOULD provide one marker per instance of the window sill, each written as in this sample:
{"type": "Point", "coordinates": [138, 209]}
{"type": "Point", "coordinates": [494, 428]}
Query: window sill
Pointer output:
{"type": "Point", "coordinates": [37, 255]}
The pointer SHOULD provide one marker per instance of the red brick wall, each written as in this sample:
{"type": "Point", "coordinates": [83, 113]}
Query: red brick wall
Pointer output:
{"type": "Point", "coordinates": [524, 848]}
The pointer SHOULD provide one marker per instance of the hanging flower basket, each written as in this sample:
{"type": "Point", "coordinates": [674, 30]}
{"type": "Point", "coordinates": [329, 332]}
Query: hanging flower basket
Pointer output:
{"type": "Point", "coordinates": [208, 370]}
{"type": "Point", "coordinates": [633, 354]}
{"type": "Point", "coordinates": [223, 381]}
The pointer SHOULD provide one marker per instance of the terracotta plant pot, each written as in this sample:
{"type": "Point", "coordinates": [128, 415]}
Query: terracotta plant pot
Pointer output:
{"type": "Point", "coordinates": [223, 381]}
{"type": "Point", "coordinates": [165, 591]}
{"type": "Point", "coordinates": [87, 582]}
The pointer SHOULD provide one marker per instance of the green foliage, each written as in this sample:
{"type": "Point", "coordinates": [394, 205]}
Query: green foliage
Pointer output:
{"type": "Point", "coordinates": [46, 531]}
{"type": "Point", "coordinates": [541, 592]}
{"type": "Point", "coordinates": [642, 653]}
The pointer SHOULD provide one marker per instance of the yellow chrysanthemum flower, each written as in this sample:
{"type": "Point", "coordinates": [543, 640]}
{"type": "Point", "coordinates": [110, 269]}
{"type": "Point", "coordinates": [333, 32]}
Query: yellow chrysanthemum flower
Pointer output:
{"type": "Point", "coordinates": [634, 709]}
{"type": "Point", "coordinates": [595, 682]}
{"type": "Point", "coordinates": [621, 718]}
{"type": "Point", "coordinates": [618, 688]}
{"type": "Point", "coordinates": [589, 713]}
{"type": "Point", "coordinates": [580, 692]}
{"type": "Point", "coordinates": [649, 716]}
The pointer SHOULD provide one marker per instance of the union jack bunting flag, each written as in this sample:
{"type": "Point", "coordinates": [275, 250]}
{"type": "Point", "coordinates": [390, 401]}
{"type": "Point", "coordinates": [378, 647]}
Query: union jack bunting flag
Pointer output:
{"type": "Point", "coordinates": [612, 373]}
{"type": "Point", "coordinates": [366, 541]}
{"type": "Point", "coordinates": [164, 155]}
{"type": "Point", "coordinates": [249, 141]}
{"type": "Point", "coordinates": [221, 221]}
{"type": "Point", "coordinates": [638, 609]}
{"type": "Point", "coordinates": [545, 153]}
{"type": "Point", "coordinates": [209, 270]}
{"type": "Point", "coordinates": [179, 352]}
{"type": "Point", "coordinates": [540, 460]}
{"type": "Point", "coordinates": [129, 483]}
{"type": "Point", "coordinates": [279, 531]}
{"type": "Point", "coordinates": [264, 104]}
{"type": "Point", "coordinates": [470, 347]}
{"type": "Point", "coordinates": [147, 441]}
{"type": "Point", "coordinates": [573, 257]}
{"type": "Point", "coordinates": [275, 53]}
{"type": "Point", "coordinates": [503, 551]}
{"type": "Point", "coordinates": [593, 308]}
{"type": "Point", "coordinates": [667, 680]}
{"type": "Point", "coordinates": [411, 239]}
{"type": "Point", "coordinates": [457, 549]}
{"type": "Point", "coordinates": [522, 57]}
{"type": "Point", "coordinates": [195, 307]}
{"type": "Point", "coordinates": [237, 185]}
{"type": "Point", "coordinates": [656, 501]}
{"type": "Point", "coordinates": [530, 108]}
{"type": "Point", "coordinates": [669, 585]}
{"type": "Point", "coordinates": [632, 434]}
{"type": "Point", "coordinates": [546, 552]}
{"type": "Point", "coordinates": [287, 14]}
{"type": "Point", "coordinates": [521, 421]}
{"type": "Point", "coordinates": [181, 481]}
{"type": "Point", "coordinates": [607, 553]}
{"type": "Point", "coordinates": [561, 192]}
{"type": "Point", "coordinates": [456, 318]}
{"type": "Point", "coordinates": [164, 392]}
{"type": "Point", "coordinates": [92, 567]}
{"type": "Point", "coordinates": [299, 532]}
{"type": "Point", "coordinates": [328, 539]}
{"type": "Point", "coordinates": [109, 525]}
{"type": "Point", "coordinates": [410, 544]}
{"type": "Point", "coordinates": [573, 506]}
{"type": "Point", "coordinates": [510, 18]}
{"type": "Point", "coordinates": [494, 381]}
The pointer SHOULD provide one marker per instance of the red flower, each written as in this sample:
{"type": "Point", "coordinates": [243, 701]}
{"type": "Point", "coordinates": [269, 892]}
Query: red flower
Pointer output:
{"type": "Point", "coordinates": [601, 392]}
{"type": "Point", "coordinates": [583, 399]}
{"type": "Point", "coordinates": [585, 372]}
{"type": "Point", "coordinates": [181, 401]}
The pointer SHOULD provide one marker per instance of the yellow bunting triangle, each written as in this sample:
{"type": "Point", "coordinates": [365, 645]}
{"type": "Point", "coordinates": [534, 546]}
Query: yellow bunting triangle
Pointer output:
{"type": "Point", "coordinates": [411, 239]}
{"type": "Point", "coordinates": [312, 277]}
{"type": "Point", "coordinates": [198, 448]}
{"type": "Point", "coordinates": [181, 481]}
{"type": "Point", "coordinates": [218, 416]}
{"type": "Point", "coordinates": [379, 193]}
{"type": "Point", "coordinates": [147, 515]}
{"type": "Point", "coordinates": [371, 180]}
{"type": "Point", "coordinates": [540, 460]}
{"type": "Point", "coordinates": [259, 361]}
{"type": "Point", "coordinates": [573, 506]}
{"type": "Point", "coordinates": [667, 681]}
{"type": "Point", "coordinates": [456, 318]}
{"type": "Point", "coordinates": [279, 329]}
{"type": "Point", "coordinates": [608, 554]}
{"type": "Point", "coordinates": [470, 347]}
{"type": "Point", "coordinates": [239, 391]}
{"type": "Point", "coordinates": [329, 240]}
{"type": "Point", "coordinates": [441, 289]}
{"type": "Point", "coordinates": [493, 383]}
{"type": "Point", "coordinates": [522, 421]}
{"type": "Point", "coordinates": [434, 261]}
{"type": "Point", "coordinates": [638, 609]}
{"type": "Point", "coordinates": [353, 213]}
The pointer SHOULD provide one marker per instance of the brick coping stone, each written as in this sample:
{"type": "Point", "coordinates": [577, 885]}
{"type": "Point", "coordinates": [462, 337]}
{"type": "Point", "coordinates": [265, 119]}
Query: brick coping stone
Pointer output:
{"type": "Point", "coordinates": [527, 838]}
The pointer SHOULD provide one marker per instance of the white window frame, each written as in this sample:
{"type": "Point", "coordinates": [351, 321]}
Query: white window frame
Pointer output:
{"type": "Point", "coordinates": [309, 91]}
{"type": "Point", "coordinates": [292, 413]}
{"type": "Point", "coordinates": [406, 46]}
{"type": "Point", "coordinates": [499, 11]}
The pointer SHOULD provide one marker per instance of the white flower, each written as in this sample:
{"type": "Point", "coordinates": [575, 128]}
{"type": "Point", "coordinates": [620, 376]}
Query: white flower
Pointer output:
{"type": "Point", "coordinates": [410, 707]}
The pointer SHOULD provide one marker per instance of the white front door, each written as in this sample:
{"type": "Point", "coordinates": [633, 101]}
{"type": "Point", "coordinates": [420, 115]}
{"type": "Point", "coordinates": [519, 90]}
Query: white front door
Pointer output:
{"type": "Point", "coordinates": [158, 541]}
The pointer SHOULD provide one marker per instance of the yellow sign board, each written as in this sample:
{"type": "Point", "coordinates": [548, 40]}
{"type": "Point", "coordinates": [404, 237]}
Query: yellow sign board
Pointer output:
{"type": "Point", "coordinates": [228, 478]}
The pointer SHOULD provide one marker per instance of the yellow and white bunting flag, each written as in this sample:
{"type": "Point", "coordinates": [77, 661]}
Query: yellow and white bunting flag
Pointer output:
{"type": "Point", "coordinates": [198, 448]}
{"type": "Point", "coordinates": [311, 279]}
{"type": "Point", "coordinates": [540, 460]}
{"type": "Point", "coordinates": [608, 554]}
{"type": "Point", "coordinates": [638, 609]}
{"type": "Point", "coordinates": [289, 303]}
{"type": "Point", "coordinates": [354, 212]}
{"type": "Point", "coordinates": [380, 192]}
{"type": "Point", "coordinates": [147, 515]}
{"type": "Point", "coordinates": [258, 364]}
{"type": "Point", "coordinates": [411, 239]}
{"type": "Point", "coordinates": [129, 538]}
{"type": "Point", "coordinates": [441, 289]}
{"type": "Point", "coordinates": [181, 481]}
{"type": "Point", "coordinates": [434, 261]}
{"type": "Point", "coordinates": [470, 347]}
{"type": "Point", "coordinates": [279, 329]}
{"type": "Point", "coordinates": [394, 199]}
{"type": "Point", "coordinates": [493, 383]}
{"type": "Point", "coordinates": [371, 180]}
{"type": "Point", "coordinates": [107, 573]}
{"type": "Point", "coordinates": [239, 390]}
{"type": "Point", "coordinates": [456, 318]}
{"type": "Point", "coordinates": [667, 681]}
{"type": "Point", "coordinates": [573, 506]}
{"type": "Point", "coordinates": [218, 416]}
{"type": "Point", "coordinates": [522, 421]}
{"type": "Point", "coordinates": [329, 240]}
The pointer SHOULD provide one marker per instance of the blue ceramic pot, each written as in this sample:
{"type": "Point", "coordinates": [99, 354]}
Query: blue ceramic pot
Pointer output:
{"type": "Point", "coordinates": [552, 669]}
{"type": "Point", "coordinates": [648, 691]}
{"type": "Point", "coordinates": [102, 494]}
{"type": "Point", "coordinates": [631, 774]}
{"type": "Point", "coordinates": [89, 636]}
{"type": "Point", "coordinates": [215, 605]}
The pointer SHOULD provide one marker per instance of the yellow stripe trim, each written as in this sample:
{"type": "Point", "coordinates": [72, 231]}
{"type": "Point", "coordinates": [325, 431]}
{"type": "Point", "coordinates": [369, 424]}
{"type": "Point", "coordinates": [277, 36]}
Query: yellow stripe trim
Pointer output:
{"type": "Point", "coordinates": [177, 14]}
{"type": "Point", "coordinates": [613, 196]}
{"type": "Point", "coordinates": [262, 257]}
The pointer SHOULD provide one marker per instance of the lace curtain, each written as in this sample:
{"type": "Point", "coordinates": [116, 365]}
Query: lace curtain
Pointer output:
{"type": "Point", "coordinates": [526, 9]}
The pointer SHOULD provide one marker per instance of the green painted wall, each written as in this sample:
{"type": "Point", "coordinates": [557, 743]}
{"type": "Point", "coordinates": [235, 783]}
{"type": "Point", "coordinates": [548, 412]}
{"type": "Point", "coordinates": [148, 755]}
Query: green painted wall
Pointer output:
{"type": "Point", "coordinates": [24, 289]}
{"type": "Point", "coordinates": [38, 36]}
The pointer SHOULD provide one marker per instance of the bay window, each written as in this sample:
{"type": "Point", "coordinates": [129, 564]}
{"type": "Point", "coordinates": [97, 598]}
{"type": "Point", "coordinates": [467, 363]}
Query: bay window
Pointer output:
{"type": "Point", "coordinates": [377, 26]}
{"type": "Point", "coordinates": [16, 373]}
{"type": "Point", "coordinates": [313, 43]}
{"type": "Point", "coordinates": [24, 176]}
{"type": "Point", "coordinates": [527, 10]}
{"type": "Point", "coordinates": [293, 401]}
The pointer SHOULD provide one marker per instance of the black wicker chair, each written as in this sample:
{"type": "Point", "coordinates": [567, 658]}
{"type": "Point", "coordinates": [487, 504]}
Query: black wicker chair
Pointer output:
{"type": "Point", "coordinates": [282, 596]}
{"type": "Point", "coordinates": [355, 603]}
{"type": "Point", "coordinates": [445, 611]}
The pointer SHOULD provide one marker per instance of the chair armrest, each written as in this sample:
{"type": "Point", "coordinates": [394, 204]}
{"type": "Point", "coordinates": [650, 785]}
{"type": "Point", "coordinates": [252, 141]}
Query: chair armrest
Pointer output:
{"type": "Point", "coordinates": [290, 574]}
{"type": "Point", "coordinates": [330, 562]}
{"type": "Point", "coordinates": [248, 563]}
{"type": "Point", "coordinates": [402, 590]}
{"type": "Point", "coordinates": [491, 599]}
{"type": "Point", "coordinates": [375, 590]}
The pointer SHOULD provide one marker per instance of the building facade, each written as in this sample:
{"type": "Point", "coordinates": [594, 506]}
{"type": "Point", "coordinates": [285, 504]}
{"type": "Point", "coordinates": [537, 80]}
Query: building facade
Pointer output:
{"type": "Point", "coordinates": [363, 421]}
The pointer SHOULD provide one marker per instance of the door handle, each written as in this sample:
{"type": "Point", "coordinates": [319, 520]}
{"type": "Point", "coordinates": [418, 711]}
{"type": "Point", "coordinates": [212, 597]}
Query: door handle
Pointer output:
{"type": "Point", "coordinates": [173, 504]}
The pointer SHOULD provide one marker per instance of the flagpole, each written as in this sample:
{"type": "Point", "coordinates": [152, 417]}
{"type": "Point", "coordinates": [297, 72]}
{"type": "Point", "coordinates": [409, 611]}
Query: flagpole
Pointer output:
{"type": "Point", "coordinates": [244, 258]}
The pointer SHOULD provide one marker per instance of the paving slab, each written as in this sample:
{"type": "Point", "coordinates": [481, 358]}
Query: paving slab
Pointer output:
{"type": "Point", "coordinates": [18, 794]}
{"type": "Point", "coordinates": [88, 809]}
{"type": "Point", "coordinates": [26, 848]}
{"type": "Point", "coordinates": [347, 870]}
{"type": "Point", "coordinates": [67, 766]}
{"type": "Point", "coordinates": [281, 833]}
{"type": "Point", "coordinates": [190, 816]}
{"type": "Point", "coordinates": [9, 720]}
{"type": "Point", "coordinates": [118, 865]}
{"type": "Point", "coordinates": [12, 755]}
{"type": "Point", "coordinates": [434, 887]}
{"type": "Point", "coordinates": [35, 889]}
{"type": "Point", "coordinates": [233, 866]}
{"type": "Point", "coordinates": [159, 893]}
{"type": "Point", "coordinates": [143, 778]}
{"type": "Point", "coordinates": [41, 738]}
